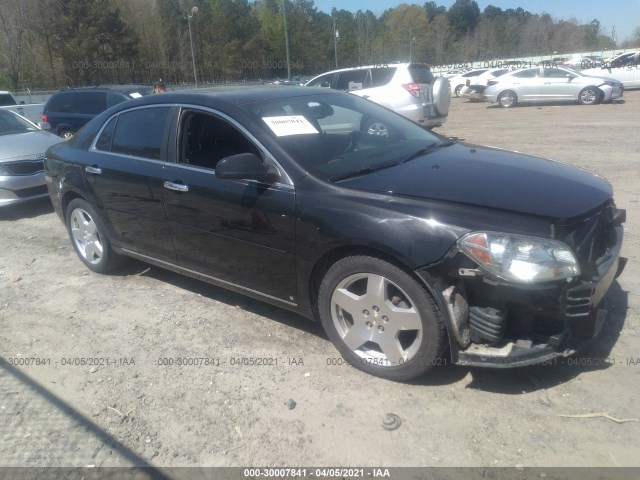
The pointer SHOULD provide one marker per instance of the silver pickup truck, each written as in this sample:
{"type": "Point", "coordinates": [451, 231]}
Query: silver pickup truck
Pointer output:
{"type": "Point", "coordinates": [31, 112]}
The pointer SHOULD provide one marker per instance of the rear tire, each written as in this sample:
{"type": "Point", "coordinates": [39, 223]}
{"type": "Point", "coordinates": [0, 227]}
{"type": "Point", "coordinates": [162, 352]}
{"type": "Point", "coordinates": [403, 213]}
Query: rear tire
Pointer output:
{"type": "Point", "coordinates": [89, 239]}
{"type": "Point", "coordinates": [380, 318]}
{"type": "Point", "coordinates": [508, 99]}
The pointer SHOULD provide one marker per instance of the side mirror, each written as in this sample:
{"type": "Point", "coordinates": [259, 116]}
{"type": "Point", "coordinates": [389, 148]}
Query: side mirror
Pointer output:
{"type": "Point", "coordinates": [245, 166]}
{"type": "Point", "coordinates": [21, 102]}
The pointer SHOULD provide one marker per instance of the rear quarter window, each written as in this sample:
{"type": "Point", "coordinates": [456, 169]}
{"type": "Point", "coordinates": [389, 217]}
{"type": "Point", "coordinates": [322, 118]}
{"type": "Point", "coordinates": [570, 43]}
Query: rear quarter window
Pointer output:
{"type": "Point", "coordinates": [421, 74]}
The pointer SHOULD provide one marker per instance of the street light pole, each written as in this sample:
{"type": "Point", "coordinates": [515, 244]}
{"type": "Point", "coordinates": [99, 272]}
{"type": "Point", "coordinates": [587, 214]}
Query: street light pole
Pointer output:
{"type": "Point", "coordinates": [286, 38]}
{"type": "Point", "coordinates": [194, 10]}
{"type": "Point", "coordinates": [336, 36]}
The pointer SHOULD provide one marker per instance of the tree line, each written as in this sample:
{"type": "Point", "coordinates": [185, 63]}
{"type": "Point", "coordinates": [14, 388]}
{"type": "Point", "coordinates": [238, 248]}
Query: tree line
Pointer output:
{"type": "Point", "coordinates": [46, 44]}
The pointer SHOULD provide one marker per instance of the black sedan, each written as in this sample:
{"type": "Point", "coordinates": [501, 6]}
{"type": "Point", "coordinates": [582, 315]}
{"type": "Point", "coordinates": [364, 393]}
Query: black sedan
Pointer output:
{"type": "Point", "coordinates": [403, 244]}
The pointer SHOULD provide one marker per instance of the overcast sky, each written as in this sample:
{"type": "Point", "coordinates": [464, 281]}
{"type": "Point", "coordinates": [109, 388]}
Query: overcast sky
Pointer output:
{"type": "Point", "coordinates": [624, 15]}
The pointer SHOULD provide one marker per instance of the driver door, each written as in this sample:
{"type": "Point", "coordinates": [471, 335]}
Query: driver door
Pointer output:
{"type": "Point", "coordinates": [240, 232]}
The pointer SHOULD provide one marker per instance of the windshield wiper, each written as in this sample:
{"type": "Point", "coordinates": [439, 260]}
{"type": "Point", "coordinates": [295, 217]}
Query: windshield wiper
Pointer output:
{"type": "Point", "coordinates": [364, 170]}
{"type": "Point", "coordinates": [375, 168]}
{"type": "Point", "coordinates": [424, 150]}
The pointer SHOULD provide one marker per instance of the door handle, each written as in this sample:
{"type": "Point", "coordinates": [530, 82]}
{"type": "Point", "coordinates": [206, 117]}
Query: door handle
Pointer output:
{"type": "Point", "coordinates": [366, 96]}
{"type": "Point", "coordinates": [94, 170]}
{"type": "Point", "coordinates": [178, 187]}
{"type": "Point", "coordinates": [547, 83]}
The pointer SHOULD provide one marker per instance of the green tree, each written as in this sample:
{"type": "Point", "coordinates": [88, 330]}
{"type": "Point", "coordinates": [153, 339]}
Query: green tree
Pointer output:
{"type": "Point", "coordinates": [463, 17]}
{"type": "Point", "coordinates": [92, 41]}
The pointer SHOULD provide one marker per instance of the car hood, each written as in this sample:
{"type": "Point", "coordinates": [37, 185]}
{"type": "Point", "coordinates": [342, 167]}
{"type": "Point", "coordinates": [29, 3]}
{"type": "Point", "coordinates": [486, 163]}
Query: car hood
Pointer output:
{"type": "Point", "coordinates": [13, 147]}
{"type": "Point", "coordinates": [495, 178]}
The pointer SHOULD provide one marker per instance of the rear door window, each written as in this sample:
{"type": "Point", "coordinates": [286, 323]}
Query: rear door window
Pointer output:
{"type": "Point", "coordinates": [90, 103]}
{"type": "Point", "coordinates": [140, 133]}
{"type": "Point", "coordinates": [381, 76]}
{"type": "Point", "coordinates": [529, 73]}
{"type": "Point", "coordinates": [61, 103]}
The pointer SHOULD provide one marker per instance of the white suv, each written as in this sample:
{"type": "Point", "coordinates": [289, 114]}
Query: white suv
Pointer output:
{"type": "Point", "coordinates": [409, 89]}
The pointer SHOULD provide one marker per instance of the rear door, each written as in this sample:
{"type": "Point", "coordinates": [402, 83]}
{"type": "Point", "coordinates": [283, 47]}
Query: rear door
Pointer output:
{"type": "Point", "coordinates": [125, 172]}
{"type": "Point", "coordinates": [527, 84]}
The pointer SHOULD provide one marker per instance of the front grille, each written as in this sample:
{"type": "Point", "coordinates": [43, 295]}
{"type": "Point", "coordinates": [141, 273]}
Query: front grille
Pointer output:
{"type": "Point", "coordinates": [579, 301]}
{"type": "Point", "coordinates": [593, 239]}
{"type": "Point", "coordinates": [24, 167]}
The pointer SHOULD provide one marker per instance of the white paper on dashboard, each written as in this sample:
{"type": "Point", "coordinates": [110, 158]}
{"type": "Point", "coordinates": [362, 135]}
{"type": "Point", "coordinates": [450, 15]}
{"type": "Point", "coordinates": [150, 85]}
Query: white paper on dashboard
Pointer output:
{"type": "Point", "coordinates": [289, 125]}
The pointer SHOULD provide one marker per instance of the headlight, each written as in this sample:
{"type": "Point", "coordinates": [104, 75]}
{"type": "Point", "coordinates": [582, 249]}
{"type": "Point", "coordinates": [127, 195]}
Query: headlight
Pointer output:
{"type": "Point", "coordinates": [519, 258]}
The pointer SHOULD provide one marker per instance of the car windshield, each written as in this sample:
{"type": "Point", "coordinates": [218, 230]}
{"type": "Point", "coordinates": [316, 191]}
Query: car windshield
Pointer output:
{"type": "Point", "coordinates": [11, 124]}
{"type": "Point", "coordinates": [336, 135]}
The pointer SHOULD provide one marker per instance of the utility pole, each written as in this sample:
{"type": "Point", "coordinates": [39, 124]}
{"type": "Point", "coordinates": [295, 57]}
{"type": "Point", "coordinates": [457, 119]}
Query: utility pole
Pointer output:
{"type": "Point", "coordinates": [286, 38]}
{"type": "Point", "coordinates": [194, 10]}
{"type": "Point", "coordinates": [336, 37]}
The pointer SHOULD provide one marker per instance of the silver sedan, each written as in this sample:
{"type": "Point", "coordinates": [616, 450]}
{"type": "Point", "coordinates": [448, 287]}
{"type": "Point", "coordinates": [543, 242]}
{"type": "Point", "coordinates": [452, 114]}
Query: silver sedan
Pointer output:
{"type": "Point", "coordinates": [544, 84]}
{"type": "Point", "coordinates": [22, 147]}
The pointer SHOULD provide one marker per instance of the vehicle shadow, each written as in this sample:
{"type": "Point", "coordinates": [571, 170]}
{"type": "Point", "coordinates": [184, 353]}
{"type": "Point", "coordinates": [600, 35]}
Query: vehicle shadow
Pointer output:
{"type": "Point", "coordinates": [31, 209]}
{"type": "Point", "coordinates": [511, 381]}
{"type": "Point", "coordinates": [541, 105]}
{"type": "Point", "coordinates": [219, 294]}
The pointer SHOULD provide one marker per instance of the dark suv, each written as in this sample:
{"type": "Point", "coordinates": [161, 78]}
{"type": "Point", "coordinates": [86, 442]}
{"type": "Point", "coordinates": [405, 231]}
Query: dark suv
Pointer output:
{"type": "Point", "coordinates": [68, 110]}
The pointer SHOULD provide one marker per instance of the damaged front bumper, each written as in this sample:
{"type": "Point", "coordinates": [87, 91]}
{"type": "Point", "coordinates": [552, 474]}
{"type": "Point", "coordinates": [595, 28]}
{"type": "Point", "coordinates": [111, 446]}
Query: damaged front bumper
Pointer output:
{"type": "Point", "coordinates": [499, 325]}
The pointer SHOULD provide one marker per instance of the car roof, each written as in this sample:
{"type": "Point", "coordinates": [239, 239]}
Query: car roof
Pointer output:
{"type": "Point", "coordinates": [103, 88]}
{"type": "Point", "coordinates": [236, 95]}
{"type": "Point", "coordinates": [378, 65]}
{"type": "Point", "coordinates": [239, 95]}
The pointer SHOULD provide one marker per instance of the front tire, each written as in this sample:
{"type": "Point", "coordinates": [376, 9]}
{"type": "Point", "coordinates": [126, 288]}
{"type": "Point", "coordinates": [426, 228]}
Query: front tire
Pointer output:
{"type": "Point", "coordinates": [380, 318]}
{"type": "Point", "coordinates": [589, 96]}
{"type": "Point", "coordinates": [88, 237]}
{"type": "Point", "coordinates": [508, 99]}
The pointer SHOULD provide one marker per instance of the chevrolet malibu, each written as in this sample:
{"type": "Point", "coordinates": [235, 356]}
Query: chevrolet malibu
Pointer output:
{"type": "Point", "coordinates": [403, 244]}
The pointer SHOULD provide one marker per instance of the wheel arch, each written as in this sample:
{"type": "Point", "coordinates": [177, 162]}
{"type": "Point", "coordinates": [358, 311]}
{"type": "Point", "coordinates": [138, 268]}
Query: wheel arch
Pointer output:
{"type": "Point", "coordinates": [597, 89]}
{"type": "Point", "coordinates": [324, 263]}
{"type": "Point", "coordinates": [67, 198]}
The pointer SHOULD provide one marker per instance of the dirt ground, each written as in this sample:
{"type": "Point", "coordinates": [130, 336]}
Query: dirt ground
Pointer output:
{"type": "Point", "coordinates": [87, 380]}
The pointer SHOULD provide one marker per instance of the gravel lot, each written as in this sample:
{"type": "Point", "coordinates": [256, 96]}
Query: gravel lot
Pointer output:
{"type": "Point", "coordinates": [86, 378]}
